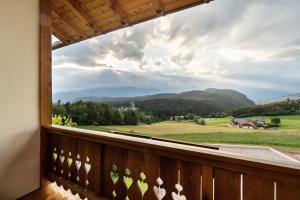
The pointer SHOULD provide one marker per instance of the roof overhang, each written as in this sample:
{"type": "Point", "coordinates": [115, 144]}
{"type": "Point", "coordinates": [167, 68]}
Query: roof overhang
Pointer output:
{"type": "Point", "coordinates": [77, 20]}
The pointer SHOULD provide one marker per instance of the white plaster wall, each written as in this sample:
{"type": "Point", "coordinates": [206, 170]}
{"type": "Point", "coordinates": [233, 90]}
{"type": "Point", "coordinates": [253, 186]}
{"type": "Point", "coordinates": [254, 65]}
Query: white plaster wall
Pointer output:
{"type": "Point", "coordinates": [19, 98]}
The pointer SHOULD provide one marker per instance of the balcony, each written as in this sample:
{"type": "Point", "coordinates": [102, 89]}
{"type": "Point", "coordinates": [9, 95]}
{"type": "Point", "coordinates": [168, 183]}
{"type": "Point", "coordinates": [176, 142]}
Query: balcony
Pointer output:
{"type": "Point", "coordinates": [98, 164]}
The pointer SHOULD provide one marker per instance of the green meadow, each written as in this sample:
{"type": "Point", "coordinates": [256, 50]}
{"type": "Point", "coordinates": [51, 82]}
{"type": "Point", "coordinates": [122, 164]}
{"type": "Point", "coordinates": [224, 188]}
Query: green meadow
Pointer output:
{"type": "Point", "coordinates": [216, 131]}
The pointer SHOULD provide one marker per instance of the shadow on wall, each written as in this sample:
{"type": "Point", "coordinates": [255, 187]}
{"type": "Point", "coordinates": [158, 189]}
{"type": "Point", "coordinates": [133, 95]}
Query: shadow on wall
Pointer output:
{"type": "Point", "coordinates": [20, 165]}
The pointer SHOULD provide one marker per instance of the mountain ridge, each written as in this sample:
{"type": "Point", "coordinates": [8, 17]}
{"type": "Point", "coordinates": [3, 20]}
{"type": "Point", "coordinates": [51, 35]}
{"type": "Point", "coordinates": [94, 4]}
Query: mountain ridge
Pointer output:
{"type": "Point", "coordinates": [294, 96]}
{"type": "Point", "coordinates": [218, 100]}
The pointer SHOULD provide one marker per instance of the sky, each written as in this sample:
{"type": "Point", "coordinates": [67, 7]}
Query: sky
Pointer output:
{"type": "Point", "coordinates": [252, 46]}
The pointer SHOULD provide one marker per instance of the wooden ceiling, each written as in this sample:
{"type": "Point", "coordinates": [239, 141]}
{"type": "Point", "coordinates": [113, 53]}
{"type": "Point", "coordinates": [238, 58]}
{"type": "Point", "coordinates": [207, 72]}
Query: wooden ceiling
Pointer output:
{"type": "Point", "coordinates": [77, 20]}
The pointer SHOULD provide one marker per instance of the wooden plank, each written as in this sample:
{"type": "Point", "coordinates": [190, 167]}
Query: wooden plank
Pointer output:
{"type": "Point", "coordinates": [90, 154]}
{"type": "Point", "coordinates": [151, 168]}
{"type": "Point", "coordinates": [227, 185]}
{"type": "Point", "coordinates": [116, 7]}
{"type": "Point", "coordinates": [77, 8]}
{"type": "Point", "coordinates": [54, 149]}
{"type": "Point", "coordinates": [118, 156]}
{"type": "Point", "coordinates": [169, 175]}
{"type": "Point", "coordinates": [258, 188]}
{"type": "Point", "coordinates": [207, 182]}
{"type": "Point", "coordinates": [69, 22]}
{"type": "Point", "coordinates": [61, 34]}
{"type": "Point", "coordinates": [288, 191]}
{"type": "Point", "coordinates": [190, 179]}
{"type": "Point", "coordinates": [158, 7]}
{"type": "Point", "coordinates": [148, 164]}
{"type": "Point", "coordinates": [45, 85]}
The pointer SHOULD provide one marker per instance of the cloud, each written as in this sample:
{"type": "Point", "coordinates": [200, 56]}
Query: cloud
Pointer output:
{"type": "Point", "coordinates": [234, 44]}
{"type": "Point", "coordinates": [181, 59]}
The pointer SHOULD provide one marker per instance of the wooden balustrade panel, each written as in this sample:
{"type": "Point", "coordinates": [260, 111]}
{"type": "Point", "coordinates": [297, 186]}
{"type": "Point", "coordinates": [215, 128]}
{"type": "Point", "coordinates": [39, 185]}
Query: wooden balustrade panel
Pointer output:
{"type": "Point", "coordinates": [207, 182]}
{"type": "Point", "coordinates": [288, 191]}
{"type": "Point", "coordinates": [68, 146]}
{"type": "Point", "coordinates": [227, 185]}
{"type": "Point", "coordinates": [53, 155]}
{"type": "Point", "coordinates": [145, 170]}
{"type": "Point", "coordinates": [168, 174]}
{"type": "Point", "coordinates": [65, 151]}
{"type": "Point", "coordinates": [122, 169]}
{"type": "Point", "coordinates": [90, 154]}
{"type": "Point", "coordinates": [258, 188]}
{"type": "Point", "coordinates": [190, 179]}
{"type": "Point", "coordinates": [118, 157]}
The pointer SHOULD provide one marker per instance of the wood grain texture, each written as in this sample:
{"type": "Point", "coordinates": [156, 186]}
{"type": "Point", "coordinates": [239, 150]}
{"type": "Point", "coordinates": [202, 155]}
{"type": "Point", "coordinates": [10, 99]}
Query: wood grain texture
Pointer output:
{"type": "Point", "coordinates": [207, 182]}
{"type": "Point", "coordinates": [227, 185]}
{"type": "Point", "coordinates": [114, 155]}
{"type": "Point", "coordinates": [258, 188]}
{"type": "Point", "coordinates": [94, 17]}
{"type": "Point", "coordinates": [45, 84]}
{"type": "Point", "coordinates": [190, 179]}
{"type": "Point", "coordinates": [288, 191]}
{"type": "Point", "coordinates": [198, 168]}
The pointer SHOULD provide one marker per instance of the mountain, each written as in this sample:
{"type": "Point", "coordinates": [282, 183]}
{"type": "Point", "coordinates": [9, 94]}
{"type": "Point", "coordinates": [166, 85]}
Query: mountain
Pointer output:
{"type": "Point", "coordinates": [164, 105]}
{"type": "Point", "coordinates": [278, 99]}
{"type": "Point", "coordinates": [109, 92]}
{"type": "Point", "coordinates": [230, 98]}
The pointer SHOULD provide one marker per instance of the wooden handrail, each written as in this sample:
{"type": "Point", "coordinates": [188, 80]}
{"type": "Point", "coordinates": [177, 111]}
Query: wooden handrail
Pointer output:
{"type": "Point", "coordinates": [209, 163]}
{"type": "Point", "coordinates": [164, 140]}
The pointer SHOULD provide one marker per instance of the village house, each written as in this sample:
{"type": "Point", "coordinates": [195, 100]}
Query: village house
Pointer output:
{"type": "Point", "coordinates": [249, 123]}
{"type": "Point", "coordinates": [243, 123]}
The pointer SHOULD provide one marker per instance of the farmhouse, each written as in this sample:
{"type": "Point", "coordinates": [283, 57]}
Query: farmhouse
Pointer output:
{"type": "Point", "coordinates": [249, 123]}
{"type": "Point", "coordinates": [243, 123]}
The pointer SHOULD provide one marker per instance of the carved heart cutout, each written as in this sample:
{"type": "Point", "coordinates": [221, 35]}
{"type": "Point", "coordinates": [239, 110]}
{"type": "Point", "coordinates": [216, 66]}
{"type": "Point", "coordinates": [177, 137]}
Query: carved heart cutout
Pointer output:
{"type": "Point", "coordinates": [78, 164]}
{"type": "Point", "coordinates": [87, 167]}
{"type": "Point", "coordinates": [178, 196]}
{"type": "Point", "coordinates": [61, 159]}
{"type": "Point", "coordinates": [54, 156]}
{"type": "Point", "coordinates": [114, 177]}
{"type": "Point", "coordinates": [127, 181]}
{"type": "Point", "coordinates": [160, 193]}
{"type": "Point", "coordinates": [143, 187]}
{"type": "Point", "coordinates": [69, 161]}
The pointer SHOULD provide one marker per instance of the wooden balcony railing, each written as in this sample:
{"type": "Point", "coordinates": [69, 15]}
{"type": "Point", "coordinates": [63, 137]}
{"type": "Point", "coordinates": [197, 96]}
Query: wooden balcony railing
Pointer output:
{"type": "Point", "coordinates": [96, 164]}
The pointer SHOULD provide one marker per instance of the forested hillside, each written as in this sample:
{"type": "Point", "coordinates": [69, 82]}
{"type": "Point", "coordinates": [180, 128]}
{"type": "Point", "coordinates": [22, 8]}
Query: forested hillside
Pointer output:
{"type": "Point", "coordinates": [288, 107]}
{"type": "Point", "coordinates": [200, 102]}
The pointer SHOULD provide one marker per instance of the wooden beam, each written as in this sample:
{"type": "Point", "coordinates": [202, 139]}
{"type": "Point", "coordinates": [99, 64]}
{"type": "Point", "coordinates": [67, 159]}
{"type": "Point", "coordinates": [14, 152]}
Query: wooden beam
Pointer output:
{"type": "Point", "coordinates": [116, 7]}
{"type": "Point", "coordinates": [45, 84]}
{"type": "Point", "coordinates": [83, 16]}
{"type": "Point", "coordinates": [61, 34]}
{"type": "Point", "coordinates": [67, 21]}
{"type": "Point", "coordinates": [158, 6]}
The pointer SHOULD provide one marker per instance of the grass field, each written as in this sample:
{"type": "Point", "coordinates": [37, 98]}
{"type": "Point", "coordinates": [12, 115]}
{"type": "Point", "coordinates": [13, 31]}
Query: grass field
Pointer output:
{"type": "Point", "coordinates": [215, 131]}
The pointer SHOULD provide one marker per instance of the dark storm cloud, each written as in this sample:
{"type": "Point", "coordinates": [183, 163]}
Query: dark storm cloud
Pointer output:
{"type": "Point", "coordinates": [83, 54]}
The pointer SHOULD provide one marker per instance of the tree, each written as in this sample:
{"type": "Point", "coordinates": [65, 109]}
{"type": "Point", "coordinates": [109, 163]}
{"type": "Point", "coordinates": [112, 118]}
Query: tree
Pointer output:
{"type": "Point", "coordinates": [130, 117]}
{"type": "Point", "coordinates": [276, 121]}
{"type": "Point", "coordinates": [59, 109]}
{"type": "Point", "coordinates": [63, 121]}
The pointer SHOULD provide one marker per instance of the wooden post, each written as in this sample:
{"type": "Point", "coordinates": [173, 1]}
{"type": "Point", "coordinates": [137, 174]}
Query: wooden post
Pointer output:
{"type": "Point", "coordinates": [45, 84]}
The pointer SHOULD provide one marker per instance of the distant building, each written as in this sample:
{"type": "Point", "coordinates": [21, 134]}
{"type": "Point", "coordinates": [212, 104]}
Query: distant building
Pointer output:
{"type": "Point", "coordinates": [132, 106]}
{"type": "Point", "coordinates": [243, 123]}
{"type": "Point", "coordinates": [249, 123]}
